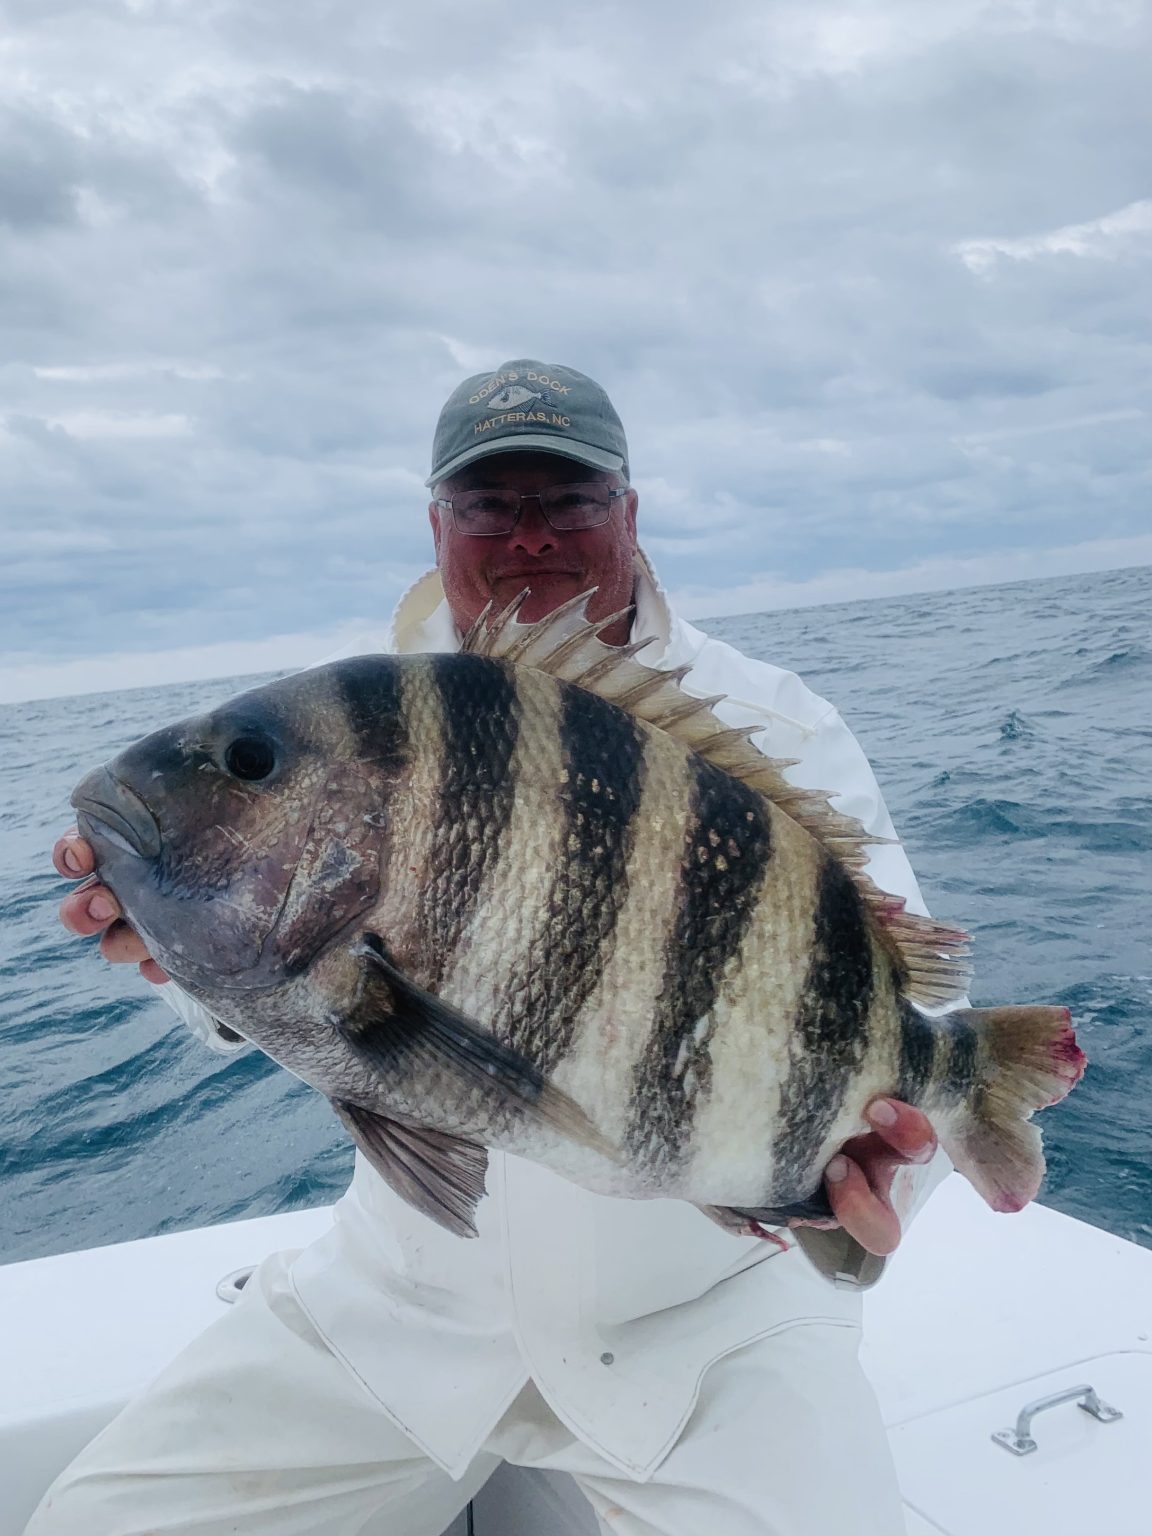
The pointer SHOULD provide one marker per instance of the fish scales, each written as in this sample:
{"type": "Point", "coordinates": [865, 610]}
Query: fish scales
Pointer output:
{"type": "Point", "coordinates": [456, 804]}
{"type": "Point", "coordinates": [726, 851]}
{"type": "Point", "coordinates": [830, 1032]}
{"type": "Point", "coordinates": [482, 972]}
{"type": "Point", "coordinates": [604, 777]}
{"type": "Point", "coordinates": [956, 1059]}
{"type": "Point", "coordinates": [480, 726]}
{"type": "Point", "coordinates": [408, 907]}
{"type": "Point", "coordinates": [734, 1124]}
{"type": "Point", "coordinates": [859, 1048]}
{"type": "Point", "coordinates": [543, 926]}
{"type": "Point", "coordinates": [917, 1051]}
{"type": "Point", "coordinates": [614, 1024]}
{"type": "Point", "coordinates": [595, 797]}
{"type": "Point", "coordinates": [370, 710]}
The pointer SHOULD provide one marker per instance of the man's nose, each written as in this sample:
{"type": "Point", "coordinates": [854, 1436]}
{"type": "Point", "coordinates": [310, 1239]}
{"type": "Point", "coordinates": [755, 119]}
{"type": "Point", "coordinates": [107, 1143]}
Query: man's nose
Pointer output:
{"type": "Point", "coordinates": [533, 533]}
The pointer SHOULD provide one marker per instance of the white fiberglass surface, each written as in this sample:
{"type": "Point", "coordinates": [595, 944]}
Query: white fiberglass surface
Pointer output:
{"type": "Point", "coordinates": [976, 1311]}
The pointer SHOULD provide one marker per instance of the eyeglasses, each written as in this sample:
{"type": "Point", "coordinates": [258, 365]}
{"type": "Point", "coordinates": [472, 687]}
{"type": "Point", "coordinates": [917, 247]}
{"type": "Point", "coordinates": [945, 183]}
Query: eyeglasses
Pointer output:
{"type": "Point", "coordinates": [567, 508]}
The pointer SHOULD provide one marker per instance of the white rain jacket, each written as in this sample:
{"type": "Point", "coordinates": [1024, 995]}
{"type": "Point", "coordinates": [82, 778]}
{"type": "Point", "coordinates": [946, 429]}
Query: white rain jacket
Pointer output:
{"type": "Point", "coordinates": [614, 1308]}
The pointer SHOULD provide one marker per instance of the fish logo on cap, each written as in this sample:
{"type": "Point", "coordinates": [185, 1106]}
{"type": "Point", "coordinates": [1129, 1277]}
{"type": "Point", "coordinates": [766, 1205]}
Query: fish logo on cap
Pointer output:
{"type": "Point", "coordinates": [513, 395]}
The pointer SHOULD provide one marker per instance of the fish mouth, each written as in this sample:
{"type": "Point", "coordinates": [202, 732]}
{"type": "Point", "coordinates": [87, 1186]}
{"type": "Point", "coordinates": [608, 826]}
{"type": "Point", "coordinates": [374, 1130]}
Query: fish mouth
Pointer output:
{"type": "Point", "coordinates": [110, 812]}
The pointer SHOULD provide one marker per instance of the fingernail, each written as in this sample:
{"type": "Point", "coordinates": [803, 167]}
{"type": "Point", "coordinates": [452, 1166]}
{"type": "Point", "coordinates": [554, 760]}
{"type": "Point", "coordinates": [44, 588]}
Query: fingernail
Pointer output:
{"type": "Point", "coordinates": [882, 1113]}
{"type": "Point", "coordinates": [101, 910]}
{"type": "Point", "coordinates": [837, 1170]}
{"type": "Point", "coordinates": [70, 862]}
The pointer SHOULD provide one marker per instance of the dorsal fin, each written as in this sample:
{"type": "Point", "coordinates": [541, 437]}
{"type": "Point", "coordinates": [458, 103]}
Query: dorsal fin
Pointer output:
{"type": "Point", "coordinates": [930, 957]}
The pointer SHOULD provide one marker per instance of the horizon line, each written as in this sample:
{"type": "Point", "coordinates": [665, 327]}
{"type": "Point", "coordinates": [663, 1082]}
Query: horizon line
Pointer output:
{"type": "Point", "coordinates": [352, 627]}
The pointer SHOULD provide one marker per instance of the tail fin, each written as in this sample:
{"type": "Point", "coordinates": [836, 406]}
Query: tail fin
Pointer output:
{"type": "Point", "coordinates": [1030, 1059]}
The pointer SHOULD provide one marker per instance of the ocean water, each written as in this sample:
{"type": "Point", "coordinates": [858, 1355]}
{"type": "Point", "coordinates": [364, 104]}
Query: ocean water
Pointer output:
{"type": "Point", "coordinates": [1011, 729]}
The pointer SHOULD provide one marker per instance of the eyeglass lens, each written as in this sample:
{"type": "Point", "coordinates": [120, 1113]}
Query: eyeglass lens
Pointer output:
{"type": "Point", "coordinates": [565, 507]}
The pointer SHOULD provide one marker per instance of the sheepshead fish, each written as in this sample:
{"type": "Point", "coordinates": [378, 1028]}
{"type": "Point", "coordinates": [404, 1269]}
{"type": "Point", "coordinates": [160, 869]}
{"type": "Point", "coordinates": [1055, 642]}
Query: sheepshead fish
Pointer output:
{"type": "Point", "coordinates": [536, 897]}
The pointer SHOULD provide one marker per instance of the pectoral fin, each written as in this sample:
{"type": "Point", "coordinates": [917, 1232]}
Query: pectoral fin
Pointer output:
{"type": "Point", "coordinates": [440, 1175]}
{"type": "Point", "coordinates": [399, 1028]}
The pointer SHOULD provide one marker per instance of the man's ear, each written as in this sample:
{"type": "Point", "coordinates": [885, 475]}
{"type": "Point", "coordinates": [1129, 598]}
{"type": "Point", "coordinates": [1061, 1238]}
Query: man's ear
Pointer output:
{"type": "Point", "coordinates": [434, 519]}
{"type": "Point", "coordinates": [631, 504]}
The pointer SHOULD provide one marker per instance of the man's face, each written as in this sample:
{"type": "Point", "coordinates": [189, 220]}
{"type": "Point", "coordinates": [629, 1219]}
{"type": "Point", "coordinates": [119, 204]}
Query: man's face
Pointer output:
{"type": "Point", "coordinates": [555, 564]}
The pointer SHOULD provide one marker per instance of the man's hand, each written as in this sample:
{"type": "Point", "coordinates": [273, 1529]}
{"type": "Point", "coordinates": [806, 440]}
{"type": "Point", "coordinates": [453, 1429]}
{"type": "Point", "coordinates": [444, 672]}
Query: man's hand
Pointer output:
{"type": "Point", "coordinates": [92, 908]}
{"type": "Point", "coordinates": [859, 1178]}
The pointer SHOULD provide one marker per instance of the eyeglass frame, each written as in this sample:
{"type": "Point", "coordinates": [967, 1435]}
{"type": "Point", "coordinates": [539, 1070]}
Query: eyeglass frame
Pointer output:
{"type": "Point", "coordinates": [470, 533]}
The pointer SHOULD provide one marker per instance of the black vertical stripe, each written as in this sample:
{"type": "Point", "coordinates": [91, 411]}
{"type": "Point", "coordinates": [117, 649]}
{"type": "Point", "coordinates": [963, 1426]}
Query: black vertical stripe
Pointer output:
{"type": "Point", "coordinates": [960, 1044]}
{"type": "Point", "coordinates": [727, 849]}
{"type": "Point", "coordinates": [830, 1034]}
{"type": "Point", "coordinates": [347, 839]}
{"type": "Point", "coordinates": [918, 1036]}
{"type": "Point", "coordinates": [371, 697]}
{"type": "Point", "coordinates": [603, 753]}
{"type": "Point", "coordinates": [480, 727]}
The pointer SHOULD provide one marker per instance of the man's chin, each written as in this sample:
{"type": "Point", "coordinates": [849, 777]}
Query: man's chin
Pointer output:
{"type": "Point", "coordinates": [545, 593]}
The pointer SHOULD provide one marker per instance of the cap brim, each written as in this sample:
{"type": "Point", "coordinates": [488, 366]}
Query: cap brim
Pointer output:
{"type": "Point", "coordinates": [530, 442]}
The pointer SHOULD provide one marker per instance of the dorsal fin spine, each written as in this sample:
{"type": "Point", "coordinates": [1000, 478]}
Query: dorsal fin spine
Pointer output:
{"type": "Point", "coordinates": [606, 664]}
{"type": "Point", "coordinates": [678, 714]}
{"type": "Point", "coordinates": [642, 689]}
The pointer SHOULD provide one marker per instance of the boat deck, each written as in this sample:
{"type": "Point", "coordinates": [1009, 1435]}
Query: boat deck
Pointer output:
{"type": "Point", "coordinates": [978, 1315]}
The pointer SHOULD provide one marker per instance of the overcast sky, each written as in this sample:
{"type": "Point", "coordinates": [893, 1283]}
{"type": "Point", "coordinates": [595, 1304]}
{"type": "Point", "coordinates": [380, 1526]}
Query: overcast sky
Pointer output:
{"type": "Point", "coordinates": [868, 282]}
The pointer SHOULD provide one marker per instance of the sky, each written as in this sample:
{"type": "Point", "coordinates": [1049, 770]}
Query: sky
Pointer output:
{"type": "Point", "coordinates": [869, 284]}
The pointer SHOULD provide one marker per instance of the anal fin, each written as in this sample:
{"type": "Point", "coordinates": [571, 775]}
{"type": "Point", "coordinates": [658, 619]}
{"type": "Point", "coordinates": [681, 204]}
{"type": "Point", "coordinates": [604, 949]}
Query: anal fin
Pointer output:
{"type": "Point", "coordinates": [745, 1219]}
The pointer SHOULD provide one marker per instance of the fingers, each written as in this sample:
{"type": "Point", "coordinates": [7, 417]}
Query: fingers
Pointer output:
{"type": "Point", "coordinates": [91, 907]}
{"type": "Point", "coordinates": [122, 944]}
{"type": "Point", "coordinates": [72, 856]}
{"type": "Point", "coordinates": [89, 910]}
{"type": "Point", "coordinates": [859, 1179]}
{"type": "Point", "coordinates": [94, 909]}
{"type": "Point", "coordinates": [908, 1132]}
{"type": "Point", "coordinates": [863, 1213]}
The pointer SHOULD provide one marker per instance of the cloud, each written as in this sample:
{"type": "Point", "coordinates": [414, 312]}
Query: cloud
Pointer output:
{"type": "Point", "coordinates": [868, 283]}
{"type": "Point", "coordinates": [108, 373]}
{"type": "Point", "coordinates": [85, 424]}
{"type": "Point", "coordinates": [1104, 238]}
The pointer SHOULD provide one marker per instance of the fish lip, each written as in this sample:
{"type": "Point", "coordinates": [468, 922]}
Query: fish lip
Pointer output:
{"type": "Point", "coordinates": [116, 814]}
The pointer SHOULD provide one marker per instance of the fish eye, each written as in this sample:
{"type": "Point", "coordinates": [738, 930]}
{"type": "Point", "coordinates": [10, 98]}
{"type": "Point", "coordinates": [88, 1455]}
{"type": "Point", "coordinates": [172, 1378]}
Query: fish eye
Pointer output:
{"type": "Point", "coordinates": [250, 758]}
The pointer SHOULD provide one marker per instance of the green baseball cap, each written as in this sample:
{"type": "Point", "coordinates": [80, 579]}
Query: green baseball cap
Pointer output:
{"type": "Point", "coordinates": [528, 406]}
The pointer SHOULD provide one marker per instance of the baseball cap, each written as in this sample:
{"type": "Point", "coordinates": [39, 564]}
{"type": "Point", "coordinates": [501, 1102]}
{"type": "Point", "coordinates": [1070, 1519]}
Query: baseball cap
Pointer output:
{"type": "Point", "coordinates": [529, 406]}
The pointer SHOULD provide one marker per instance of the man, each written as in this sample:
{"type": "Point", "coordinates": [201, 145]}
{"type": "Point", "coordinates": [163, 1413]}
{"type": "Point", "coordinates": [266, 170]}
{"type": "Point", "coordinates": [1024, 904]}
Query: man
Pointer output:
{"type": "Point", "coordinates": [693, 1382]}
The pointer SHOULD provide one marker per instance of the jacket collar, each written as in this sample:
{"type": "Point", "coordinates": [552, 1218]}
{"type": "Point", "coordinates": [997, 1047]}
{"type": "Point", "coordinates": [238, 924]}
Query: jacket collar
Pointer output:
{"type": "Point", "coordinates": [422, 621]}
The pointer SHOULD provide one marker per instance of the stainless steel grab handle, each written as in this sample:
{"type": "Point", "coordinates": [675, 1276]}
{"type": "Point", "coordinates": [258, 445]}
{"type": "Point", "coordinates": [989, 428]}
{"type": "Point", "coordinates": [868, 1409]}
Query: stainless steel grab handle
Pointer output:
{"type": "Point", "coordinates": [1019, 1440]}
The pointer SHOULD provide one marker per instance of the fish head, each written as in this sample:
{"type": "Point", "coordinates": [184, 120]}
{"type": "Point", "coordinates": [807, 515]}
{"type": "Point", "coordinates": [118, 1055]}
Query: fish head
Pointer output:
{"type": "Point", "coordinates": [244, 842]}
